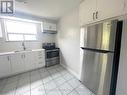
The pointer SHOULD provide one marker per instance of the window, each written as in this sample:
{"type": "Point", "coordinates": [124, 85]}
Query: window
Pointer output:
{"type": "Point", "coordinates": [17, 30]}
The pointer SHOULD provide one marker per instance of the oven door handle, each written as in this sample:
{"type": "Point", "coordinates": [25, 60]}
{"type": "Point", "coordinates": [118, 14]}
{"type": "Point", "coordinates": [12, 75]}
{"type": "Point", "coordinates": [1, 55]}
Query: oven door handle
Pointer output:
{"type": "Point", "coordinates": [51, 50]}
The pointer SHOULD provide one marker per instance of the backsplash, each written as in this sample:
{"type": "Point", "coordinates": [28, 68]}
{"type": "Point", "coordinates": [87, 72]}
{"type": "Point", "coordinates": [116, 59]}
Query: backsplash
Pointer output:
{"type": "Point", "coordinates": [14, 46]}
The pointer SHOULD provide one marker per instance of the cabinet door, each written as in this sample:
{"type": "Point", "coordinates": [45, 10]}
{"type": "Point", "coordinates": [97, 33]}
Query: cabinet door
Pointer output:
{"type": "Point", "coordinates": [40, 59]}
{"type": "Point", "coordinates": [125, 6]}
{"type": "Point", "coordinates": [18, 63]}
{"type": "Point", "coordinates": [0, 29]}
{"type": "Point", "coordinates": [86, 10]}
{"type": "Point", "coordinates": [29, 61]}
{"type": "Point", "coordinates": [49, 26]}
{"type": "Point", "coordinates": [5, 66]}
{"type": "Point", "coordinates": [109, 8]}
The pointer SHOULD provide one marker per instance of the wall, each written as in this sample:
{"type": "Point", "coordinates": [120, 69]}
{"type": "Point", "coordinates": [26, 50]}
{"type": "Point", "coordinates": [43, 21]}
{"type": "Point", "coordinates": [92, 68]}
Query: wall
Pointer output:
{"type": "Point", "coordinates": [68, 39]}
{"type": "Point", "coordinates": [122, 75]}
{"type": "Point", "coordinates": [12, 46]}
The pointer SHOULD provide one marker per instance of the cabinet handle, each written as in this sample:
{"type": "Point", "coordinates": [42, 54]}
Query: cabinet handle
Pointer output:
{"type": "Point", "coordinates": [8, 58]}
{"type": "Point", "coordinates": [40, 62]}
{"type": "Point", "coordinates": [124, 4]}
{"type": "Point", "coordinates": [22, 56]}
{"type": "Point", "coordinates": [97, 15]}
{"type": "Point", "coordinates": [93, 16]}
{"type": "Point", "coordinates": [50, 27]}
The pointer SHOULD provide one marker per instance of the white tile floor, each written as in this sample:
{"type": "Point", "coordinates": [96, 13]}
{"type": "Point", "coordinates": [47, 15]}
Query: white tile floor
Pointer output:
{"type": "Point", "coordinates": [53, 80]}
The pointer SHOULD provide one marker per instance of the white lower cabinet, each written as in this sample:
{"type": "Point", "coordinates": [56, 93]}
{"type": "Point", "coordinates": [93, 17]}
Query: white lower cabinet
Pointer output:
{"type": "Point", "coordinates": [40, 59]}
{"type": "Point", "coordinates": [17, 63]}
{"type": "Point", "coordinates": [20, 62]}
{"type": "Point", "coordinates": [5, 66]}
{"type": "Point", "coordinates": [29, 61]}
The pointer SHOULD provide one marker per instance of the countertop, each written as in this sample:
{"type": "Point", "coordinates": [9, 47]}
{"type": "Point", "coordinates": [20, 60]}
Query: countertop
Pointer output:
{"type": "Point", "coordinates": [22, 51]}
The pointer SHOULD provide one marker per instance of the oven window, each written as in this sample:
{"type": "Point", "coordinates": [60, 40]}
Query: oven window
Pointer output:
{"type": "Point", "coordinates": [52, 54]}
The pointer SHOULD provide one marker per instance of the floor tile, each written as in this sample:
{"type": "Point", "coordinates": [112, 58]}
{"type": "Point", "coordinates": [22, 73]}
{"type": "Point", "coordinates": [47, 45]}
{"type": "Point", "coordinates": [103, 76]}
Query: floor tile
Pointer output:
{"type": "Point", "coordinates": [47, 79]}
{"type": "Point", "coordinates": [54, 92]}
{"type": "Point", "coordinates": [50, 86]}
{"type": "Point", "coordinates": [52, 71]}
{"type": "Point", "coordinates": [34, 78]}
{"type": "Point", "coordinates": [25, 81]}
{"type": "Point", "coordinates": [22, 89]}
{"type": "Point", "coordinates": [24, 76]}
{"type": "Point", "coordinates": [12, 79]}
{"type": "Point", "coordinates": [11, 92]}
{"type": "Point", "coordinates": [26, 93]}
{"type": "Point", "coordinates": [44, 74]}
{"type": "Point", "coordinates": [73, 93]}
{"type": "Point", "coordinates": [2, 84]}
{"type": "Point", "coordinates": [60, 68]}
{"type": "Point", "coordinates": [42, 70]}
{"type": "Point", "coordinates": [9, 87]}
{"type": "Point", "coordinates": [38, 91]}
{"type": "Point", "coordinates": [65, 88]}
{"type": "Point", "coordinates": [36, 84]}
{"type": "Point", "coordinates": [82, 90]}
{"type": "Point", "coordinates": [55, 75]}
{"type": "Point", "coordinates": [68, 76]}
{"type": "Point", "coordinates": [54, 80]}
{"type": "Point", "coordinates": [74, 82]}
{"type": "Point", "coordinates": [59, 81]}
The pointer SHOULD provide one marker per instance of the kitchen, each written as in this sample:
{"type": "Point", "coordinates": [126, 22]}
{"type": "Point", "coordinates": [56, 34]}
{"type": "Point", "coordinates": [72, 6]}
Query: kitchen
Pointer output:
{"type": "Point", "coordinates": [40, 30]}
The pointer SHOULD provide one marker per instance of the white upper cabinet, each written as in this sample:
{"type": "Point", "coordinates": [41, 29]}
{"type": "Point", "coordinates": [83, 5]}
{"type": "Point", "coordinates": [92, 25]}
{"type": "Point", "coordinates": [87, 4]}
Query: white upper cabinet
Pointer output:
{"type": "Point", "coordinates": [109, 8]}
{"type": "Point", "coordinates": [95, 10]}
{"type": "Point", "coordinates": [125, 6]}
{"type": "Point", "coordinates": [5, 66]}
{"type": "Point", "coordinates": [49, 26]}
{"type": "Point", "coordinates": [87, 11]}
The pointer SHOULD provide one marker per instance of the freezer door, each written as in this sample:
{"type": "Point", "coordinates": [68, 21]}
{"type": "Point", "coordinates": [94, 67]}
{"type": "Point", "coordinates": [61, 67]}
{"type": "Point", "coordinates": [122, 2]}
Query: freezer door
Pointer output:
{"type": "Point", "coordinates": [100, 36]}
{"type": "Point", "coordinates": [96, 72]}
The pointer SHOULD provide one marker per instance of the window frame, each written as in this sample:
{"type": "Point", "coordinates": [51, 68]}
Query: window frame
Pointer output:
{"type": "Point", "coordinates": [39, 28]}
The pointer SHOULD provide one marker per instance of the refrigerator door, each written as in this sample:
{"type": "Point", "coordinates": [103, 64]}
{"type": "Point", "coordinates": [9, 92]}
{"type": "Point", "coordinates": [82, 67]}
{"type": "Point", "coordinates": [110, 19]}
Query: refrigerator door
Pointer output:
{"type": "Point", "coordinates": [96, 72]}
{"type": "Point", "coordinates": [101, 36]}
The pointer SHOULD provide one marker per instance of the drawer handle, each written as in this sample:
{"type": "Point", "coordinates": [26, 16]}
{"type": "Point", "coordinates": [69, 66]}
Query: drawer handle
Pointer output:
{"type": "Point", "coordinates": [97, 15]}
{"type": "Point", "coordinates": [40, 62]}
{"type": "Point", "coordinates": [93, 16]}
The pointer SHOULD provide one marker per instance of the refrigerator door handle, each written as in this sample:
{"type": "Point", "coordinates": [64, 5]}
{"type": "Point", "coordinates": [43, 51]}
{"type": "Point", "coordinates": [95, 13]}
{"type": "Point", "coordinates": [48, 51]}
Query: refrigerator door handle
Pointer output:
{"type": "Point", "coordinates": [97, 50]}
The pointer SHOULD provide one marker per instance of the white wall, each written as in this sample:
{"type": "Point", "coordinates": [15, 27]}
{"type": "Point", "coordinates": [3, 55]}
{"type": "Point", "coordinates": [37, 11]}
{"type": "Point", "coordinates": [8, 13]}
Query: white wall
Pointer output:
{"type": "Point", "coordinates": [122, 75]}
{"type": "Point", "coordinates": [68, 40]}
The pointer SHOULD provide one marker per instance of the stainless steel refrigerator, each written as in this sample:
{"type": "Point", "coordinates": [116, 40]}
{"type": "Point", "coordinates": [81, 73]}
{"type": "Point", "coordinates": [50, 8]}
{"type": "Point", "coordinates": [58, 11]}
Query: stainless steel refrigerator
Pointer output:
{"type": "Point", "coordinates": [101, 56]}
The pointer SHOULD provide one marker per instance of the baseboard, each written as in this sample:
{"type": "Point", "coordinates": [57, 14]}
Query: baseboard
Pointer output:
{"type": "Point", "coordinates": [71, 71]}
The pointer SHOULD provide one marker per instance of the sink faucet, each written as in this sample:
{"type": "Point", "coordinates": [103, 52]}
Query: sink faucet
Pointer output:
{"type": "Point", "coordinates": [23, 45]}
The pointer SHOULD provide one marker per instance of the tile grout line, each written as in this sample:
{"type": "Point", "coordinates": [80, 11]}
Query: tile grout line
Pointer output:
{"type": "Point", "coordinates": [55, 83]}
{"type": "Point", "coordinates": [69, 84]}
{"type": "Point", "coordinates": [30, 80]}
{"type": "Point", "coordinates": [42, 82]}
{"type": "Point", "coordinates": [17, 84]}
{"type": "Point", "coordinates": [62, 83]}
{"type": "Point", "coordinates": [54, 79]}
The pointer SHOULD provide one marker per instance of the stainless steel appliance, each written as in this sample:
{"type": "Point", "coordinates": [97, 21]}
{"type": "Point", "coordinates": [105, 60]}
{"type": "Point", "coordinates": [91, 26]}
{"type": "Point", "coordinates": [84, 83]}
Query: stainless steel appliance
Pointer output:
{"type": "Point", "coordinates": [51, 54]}
{"type": "Point", "coordinates": [101, 56]}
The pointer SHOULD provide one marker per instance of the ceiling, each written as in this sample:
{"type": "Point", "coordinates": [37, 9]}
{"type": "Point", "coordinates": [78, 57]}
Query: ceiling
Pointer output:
{"type": "Point", "coordinates": [52, 9]}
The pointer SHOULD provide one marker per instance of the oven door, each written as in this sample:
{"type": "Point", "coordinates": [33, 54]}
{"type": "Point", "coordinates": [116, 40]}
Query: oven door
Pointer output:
{"type": "Point", "coordinates": [52, 54]}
